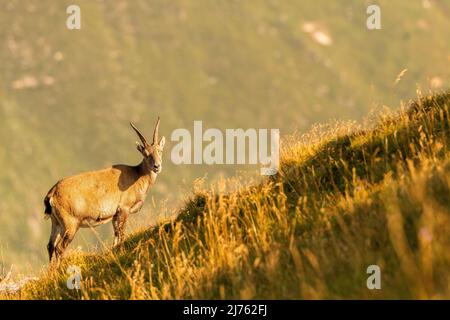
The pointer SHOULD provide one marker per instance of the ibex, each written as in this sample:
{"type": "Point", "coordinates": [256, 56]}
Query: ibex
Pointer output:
{"type": "Point", "coordinates": [94, 198]}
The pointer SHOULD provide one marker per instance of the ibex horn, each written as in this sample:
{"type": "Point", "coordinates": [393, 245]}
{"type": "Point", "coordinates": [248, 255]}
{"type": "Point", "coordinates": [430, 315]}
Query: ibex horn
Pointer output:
{"type": "Point", "coordinates": [139, 134]}
{"type": "Point", "coordinates": [155, 133]}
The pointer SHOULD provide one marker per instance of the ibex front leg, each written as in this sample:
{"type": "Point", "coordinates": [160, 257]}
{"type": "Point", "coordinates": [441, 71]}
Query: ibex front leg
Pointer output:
{"type": "Point", "coordinates": [119, 222]}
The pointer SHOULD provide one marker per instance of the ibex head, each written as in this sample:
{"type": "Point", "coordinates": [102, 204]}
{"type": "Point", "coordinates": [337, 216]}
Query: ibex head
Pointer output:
{"type": "Point", "coordinates": [152, 153]}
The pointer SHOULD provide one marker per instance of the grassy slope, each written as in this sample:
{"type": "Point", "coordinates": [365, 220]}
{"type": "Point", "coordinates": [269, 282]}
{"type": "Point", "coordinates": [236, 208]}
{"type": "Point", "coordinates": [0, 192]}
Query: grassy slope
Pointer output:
{"type": "Point", "coordinates": [185, 60]}
{"type": "Point", "coordinates": [347, 197]}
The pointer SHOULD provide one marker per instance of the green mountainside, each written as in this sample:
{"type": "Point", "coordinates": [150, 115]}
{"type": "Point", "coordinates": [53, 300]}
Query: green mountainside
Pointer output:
{"type": "Point", "coordinates": [346, 198]}
{"type": "Point", "coordinates": [66, 97]}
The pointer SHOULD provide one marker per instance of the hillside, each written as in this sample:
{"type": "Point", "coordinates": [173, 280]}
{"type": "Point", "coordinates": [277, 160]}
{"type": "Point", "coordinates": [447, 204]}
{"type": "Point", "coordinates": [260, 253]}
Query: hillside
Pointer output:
{"type": "Point", "coordinates": [347, 196]}
{"type": "Point", "coordinates": [66, 97]}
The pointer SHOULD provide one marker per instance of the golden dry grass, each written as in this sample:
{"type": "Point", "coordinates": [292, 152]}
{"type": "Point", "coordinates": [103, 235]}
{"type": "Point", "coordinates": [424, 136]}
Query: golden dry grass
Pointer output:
{"type": "Point", "coordinates": [346, 197]}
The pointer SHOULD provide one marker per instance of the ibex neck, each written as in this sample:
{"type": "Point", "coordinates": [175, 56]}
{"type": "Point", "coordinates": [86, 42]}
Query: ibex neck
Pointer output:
{"type": "Point", "coordinates": [144, 171]}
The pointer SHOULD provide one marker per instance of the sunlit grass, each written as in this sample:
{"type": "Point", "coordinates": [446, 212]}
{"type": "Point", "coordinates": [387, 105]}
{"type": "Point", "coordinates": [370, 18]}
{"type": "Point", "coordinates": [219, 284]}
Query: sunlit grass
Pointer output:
{"type": "Point", "coordinates": [346, 197]}
{"type": "Point", "coordinates": [66, 97]}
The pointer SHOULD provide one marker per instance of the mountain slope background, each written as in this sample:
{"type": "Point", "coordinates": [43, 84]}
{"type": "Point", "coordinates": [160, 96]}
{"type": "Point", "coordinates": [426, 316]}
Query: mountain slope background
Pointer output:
{"type": "Point", "coordinates": [348, 198]}
{"type": "Point", "coordinates": [66, 97]}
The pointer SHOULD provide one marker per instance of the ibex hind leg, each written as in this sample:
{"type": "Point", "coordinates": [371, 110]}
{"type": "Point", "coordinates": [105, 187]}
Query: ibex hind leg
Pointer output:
{"type": "Point", "coordinates": [55, 237]}
{"type": "Point", "coordinates": [63, 232]}
{"type": "Point", "coordinates": [66, 239]}
{"type": "Point", "coordinates": [69, 230]}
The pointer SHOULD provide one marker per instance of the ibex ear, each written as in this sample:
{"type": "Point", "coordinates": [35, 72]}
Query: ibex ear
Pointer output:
{"type": "Point", "coordinates": [162, 142]}
{"type": "Point", "coordinates": [141, 149]}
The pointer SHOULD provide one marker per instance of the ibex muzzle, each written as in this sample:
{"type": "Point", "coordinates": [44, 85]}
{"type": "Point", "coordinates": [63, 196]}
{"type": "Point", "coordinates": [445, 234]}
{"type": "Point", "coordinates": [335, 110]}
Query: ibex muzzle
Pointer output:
{"type": "Point", "coordinates": [94, 198]}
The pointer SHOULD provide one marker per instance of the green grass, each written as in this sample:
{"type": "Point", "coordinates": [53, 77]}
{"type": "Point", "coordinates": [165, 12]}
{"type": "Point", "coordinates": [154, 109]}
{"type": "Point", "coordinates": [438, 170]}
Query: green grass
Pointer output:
{"type": "Point", "coordinates": [347, 196]}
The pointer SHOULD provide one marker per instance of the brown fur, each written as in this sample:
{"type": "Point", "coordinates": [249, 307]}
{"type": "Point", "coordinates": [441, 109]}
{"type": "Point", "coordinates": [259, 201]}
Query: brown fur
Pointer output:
{"type": "Point", "coordinates": [94, 198]}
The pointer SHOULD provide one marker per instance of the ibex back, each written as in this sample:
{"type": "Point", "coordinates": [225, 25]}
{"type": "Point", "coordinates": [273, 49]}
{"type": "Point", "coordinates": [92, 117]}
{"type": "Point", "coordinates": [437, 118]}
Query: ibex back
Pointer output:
{"type": "Point", "coordinates": [93, 198]}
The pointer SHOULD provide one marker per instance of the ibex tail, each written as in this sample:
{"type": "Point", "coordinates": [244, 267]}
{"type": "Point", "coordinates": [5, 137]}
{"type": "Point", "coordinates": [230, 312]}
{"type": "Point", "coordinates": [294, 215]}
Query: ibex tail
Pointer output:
{"type": "Point", "coordinates": [47, 204]}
